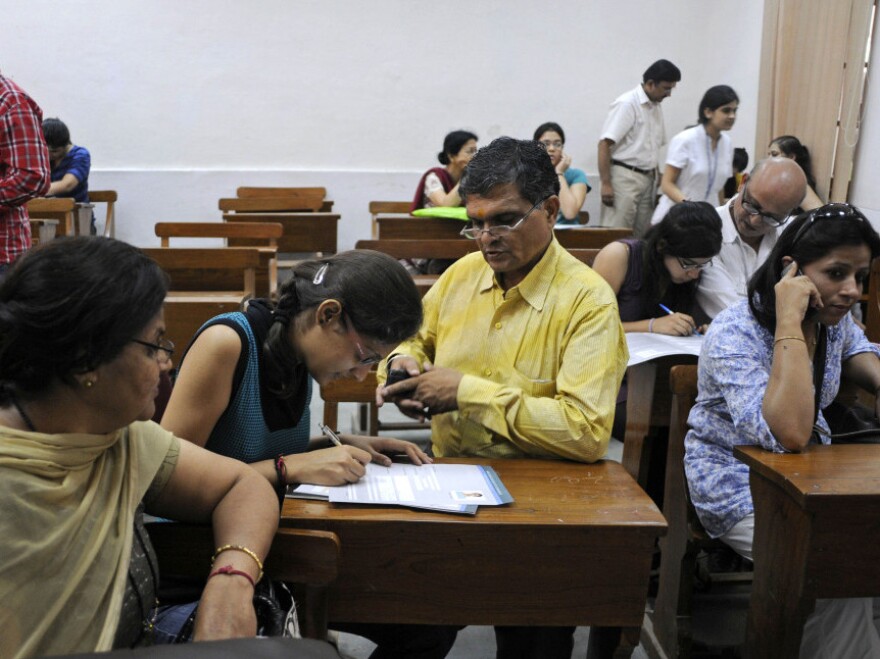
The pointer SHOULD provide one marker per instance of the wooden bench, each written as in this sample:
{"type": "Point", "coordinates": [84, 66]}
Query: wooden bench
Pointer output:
{"type": "Point", "coordinates": [421, 249]}
{"type": "Point", "coordinates": [263, 235]}
{"type": "Point", "coordinates": [313, 199]}
{"type": "Point", "coordinates": [590, 238]}
{"type": "Point", "coordinates": [308, 559]}
{"type": "Point", "coordinates": [108, 197]}
{"type": "Point", "coordinates": [400, 208]}
{"type": "Point", "coordinates": [310, 234]}
{"type": "Point", "coordinates": [193, 298]}
{"type": "Point", "coordinates": [418, 228]}
{"type": "Point", "coordinates": [62, 209]}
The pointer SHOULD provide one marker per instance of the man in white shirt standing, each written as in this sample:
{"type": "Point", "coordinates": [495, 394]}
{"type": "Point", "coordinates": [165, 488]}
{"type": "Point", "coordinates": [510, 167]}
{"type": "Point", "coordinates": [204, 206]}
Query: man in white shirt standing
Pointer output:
{"type": "Point", "coordinates": [631, 137]}
{"type": "Point", "coordinates": [750, 224]}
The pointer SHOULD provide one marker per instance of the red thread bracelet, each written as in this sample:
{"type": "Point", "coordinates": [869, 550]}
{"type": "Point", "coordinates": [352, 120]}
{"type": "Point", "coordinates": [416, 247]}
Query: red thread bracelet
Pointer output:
{"type": "Point", "coordinates": [228, 569]}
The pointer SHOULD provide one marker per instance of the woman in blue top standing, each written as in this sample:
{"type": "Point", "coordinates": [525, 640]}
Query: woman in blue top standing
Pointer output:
{"type": "Point", "coordinates": [573, 184]}
{"type": "Point", "coordinates": [756, 387]}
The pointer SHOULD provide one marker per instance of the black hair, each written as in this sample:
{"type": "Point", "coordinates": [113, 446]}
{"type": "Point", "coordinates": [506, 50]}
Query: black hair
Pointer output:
{"type": "Point", "coordinates": [808, 238]}
{"type": "Point", "coordinates": [55, 133]}
{"type": "Point", "coordinates": [662, 71]}
{"type": "Point", "coordinates": [547, 127]}
{"type": "Point", "coordinates": [506, 160]}
{"type": "Point", "coordinates": [377, 295]}
{"type": "Point", "coordinates": [714, 98]}
{"type": "Point", "coordinates": [690, 230]}
{"type": "Point", "coordinates": [740, 159]}
{"type": "Point", "coordinates": [453, 143]}
{"type": "Point", "coordinates": [792, 147]}
{"type": "Point", "coordinates": [71, 305]}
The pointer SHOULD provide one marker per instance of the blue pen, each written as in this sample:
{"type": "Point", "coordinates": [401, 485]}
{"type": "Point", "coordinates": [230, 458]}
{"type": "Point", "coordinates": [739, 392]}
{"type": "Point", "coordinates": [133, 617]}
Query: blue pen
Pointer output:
{"type": "Point", "coordinates": [671, 313]}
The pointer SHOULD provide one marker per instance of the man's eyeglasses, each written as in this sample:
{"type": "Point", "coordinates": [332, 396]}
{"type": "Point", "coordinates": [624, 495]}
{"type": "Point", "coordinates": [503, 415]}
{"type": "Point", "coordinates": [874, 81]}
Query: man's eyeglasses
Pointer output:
{"type": "Point", "coordinates": [752, 208]}
{"type": "Point", "coordinates": [546, 144]}
{"type": "Point", "coordinates": [363, 358]}
{"type": "Point", "coordinates": [688, 265]}
{"type": "Point", "coordinates": [836, 211]}
{"type": "Point", "coordinates": [498, 231]}
{"type": "Point", "coordinates": [163, 350]}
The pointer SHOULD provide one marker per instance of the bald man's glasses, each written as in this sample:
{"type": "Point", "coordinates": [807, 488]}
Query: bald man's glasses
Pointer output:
{"type": "Point", "coordinates": [752, 207]}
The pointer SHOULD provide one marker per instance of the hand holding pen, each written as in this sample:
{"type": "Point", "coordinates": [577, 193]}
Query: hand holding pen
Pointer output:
{"type": "Point", "coordinates": [673, 324]}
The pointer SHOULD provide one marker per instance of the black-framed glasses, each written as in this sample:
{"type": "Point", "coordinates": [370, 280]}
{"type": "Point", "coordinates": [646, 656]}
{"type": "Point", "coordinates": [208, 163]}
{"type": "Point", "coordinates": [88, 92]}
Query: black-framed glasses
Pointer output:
{"type": "Point", "coordinates": [833, 211]}
{"type": "Point", "coordinates": [164, 349]}
{"type": "Point", "coordinates": [752, 208]}
{"type": "Point", "coordinates": [501, 230]}
{"type": "Point", "coordinates": [687, 265]}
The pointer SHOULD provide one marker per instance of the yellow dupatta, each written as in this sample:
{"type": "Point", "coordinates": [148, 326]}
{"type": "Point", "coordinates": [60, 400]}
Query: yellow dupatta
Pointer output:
{"type": "Point", "coordinates": [67, 506]}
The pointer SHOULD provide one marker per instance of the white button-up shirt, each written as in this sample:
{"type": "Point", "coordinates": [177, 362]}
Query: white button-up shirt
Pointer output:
{"type": "Point", "coordinates": [726, 280]}
{"type": "Point", "coordinates": [635, 124]}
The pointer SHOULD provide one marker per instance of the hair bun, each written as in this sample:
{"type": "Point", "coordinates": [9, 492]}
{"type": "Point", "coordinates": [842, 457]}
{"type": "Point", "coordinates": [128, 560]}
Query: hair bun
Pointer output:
{"type": "Point", "coordinates": [443, 158]}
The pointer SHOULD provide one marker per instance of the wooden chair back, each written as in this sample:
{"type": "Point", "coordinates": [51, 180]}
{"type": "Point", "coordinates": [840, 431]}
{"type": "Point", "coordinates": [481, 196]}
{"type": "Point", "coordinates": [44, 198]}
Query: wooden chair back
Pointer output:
{"type": "Point", "coordinates": [260, 234]}
{"type": "Point", "coordinates": [62, 209]}
{"type": "Point", "coordinates": [584, 217]}
{"type": "Point", "coordinates": [108, 197]}
{"type": "Point", "coordinates": [872, 317]}
{"type": "Point", "coordinates": [686, 536]}
{"type": "Point", "coordinates": [586, 256]}
{"type": "Point", "coordinates": [196, 275]}
{"type": "Point", "coordinates": [307, 559]}
{"type": "Point", "coordinates": [307, 195]}
{"type": "Point", "coordinates": [421, 249]}
{"type": "Point", "coordinates": [351, 391]}
{"type": "Point", "coordinates": [312, 234]}
{"type": "Point", "coordinates": [386, 208]}
{"type": "Point", "coordinates": [587, 238]}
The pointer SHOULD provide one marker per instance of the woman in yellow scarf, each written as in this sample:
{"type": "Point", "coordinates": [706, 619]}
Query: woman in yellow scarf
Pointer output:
{"type": "Point", "coordinates": [81, 352]}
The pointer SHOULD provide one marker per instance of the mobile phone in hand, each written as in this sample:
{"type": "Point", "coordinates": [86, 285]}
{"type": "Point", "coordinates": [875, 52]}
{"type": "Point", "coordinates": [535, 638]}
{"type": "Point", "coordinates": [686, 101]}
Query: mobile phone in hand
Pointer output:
{"type": "Point", "coordinates": [396, 375]}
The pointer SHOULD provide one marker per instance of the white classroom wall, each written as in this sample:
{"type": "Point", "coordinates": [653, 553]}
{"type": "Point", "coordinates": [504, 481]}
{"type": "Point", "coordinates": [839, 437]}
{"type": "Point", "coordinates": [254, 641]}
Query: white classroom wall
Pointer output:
{"type": "Point", "coordinates": [180, 102]}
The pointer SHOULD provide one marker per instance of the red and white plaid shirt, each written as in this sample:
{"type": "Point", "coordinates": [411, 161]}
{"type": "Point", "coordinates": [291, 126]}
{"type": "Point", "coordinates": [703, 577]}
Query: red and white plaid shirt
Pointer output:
{"type": "Point", "coordinates": [24, 167]}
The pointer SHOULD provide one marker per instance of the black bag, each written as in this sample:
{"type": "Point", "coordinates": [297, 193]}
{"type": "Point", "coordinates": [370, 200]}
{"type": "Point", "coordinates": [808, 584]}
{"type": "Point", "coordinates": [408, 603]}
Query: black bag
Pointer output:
{"type": "Point", "coordinates": [275, 608]}
{"type": "Point", "coordinates": [852, 424]}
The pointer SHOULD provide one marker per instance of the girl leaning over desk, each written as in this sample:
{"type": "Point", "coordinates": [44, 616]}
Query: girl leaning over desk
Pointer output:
{"type": "Point", "coordinates": [662, 268]}
{"type": "Point", "coordinates": [81, 353]}
{"type": "Point", "coordinates": [757, 370]}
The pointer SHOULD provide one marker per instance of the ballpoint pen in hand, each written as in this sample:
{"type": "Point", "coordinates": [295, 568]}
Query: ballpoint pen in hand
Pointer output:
{"type": "Point", "coordinates": [330, 434]}
{"type": "Point", "coordinates": [672, 313]}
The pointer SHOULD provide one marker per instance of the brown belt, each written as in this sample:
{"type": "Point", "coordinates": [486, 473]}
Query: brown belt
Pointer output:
{"type": "Point", "coordinates": [639, 170]}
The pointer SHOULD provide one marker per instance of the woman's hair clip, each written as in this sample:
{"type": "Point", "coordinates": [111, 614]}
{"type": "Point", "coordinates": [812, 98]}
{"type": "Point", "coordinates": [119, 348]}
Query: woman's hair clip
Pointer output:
{"type": "Point", "coordinates": [319, 275]}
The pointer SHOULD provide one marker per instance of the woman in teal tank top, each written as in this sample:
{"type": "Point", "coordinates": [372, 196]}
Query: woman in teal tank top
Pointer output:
{"type": "Point", "coordinates": [244, 384]}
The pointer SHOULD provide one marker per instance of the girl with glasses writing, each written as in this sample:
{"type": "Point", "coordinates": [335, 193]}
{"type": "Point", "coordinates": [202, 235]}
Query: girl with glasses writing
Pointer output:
{"type": "Point", "coordinates": [661, 270]}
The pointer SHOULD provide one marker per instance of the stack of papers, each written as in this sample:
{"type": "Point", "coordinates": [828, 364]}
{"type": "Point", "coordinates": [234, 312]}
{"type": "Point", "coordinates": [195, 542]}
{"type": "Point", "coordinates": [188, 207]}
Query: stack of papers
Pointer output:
{"type": "Point", "coordinates": [450, 488]}
{"type": "Point", "coordinates": [644, 347]}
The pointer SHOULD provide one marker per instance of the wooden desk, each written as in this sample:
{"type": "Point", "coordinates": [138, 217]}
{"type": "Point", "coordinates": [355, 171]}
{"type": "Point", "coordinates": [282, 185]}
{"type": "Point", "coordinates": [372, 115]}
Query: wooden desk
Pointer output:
{"type": "Point", "coordinates": [573, 549]}
{"type": "Point", "coordinates": [816, 536]}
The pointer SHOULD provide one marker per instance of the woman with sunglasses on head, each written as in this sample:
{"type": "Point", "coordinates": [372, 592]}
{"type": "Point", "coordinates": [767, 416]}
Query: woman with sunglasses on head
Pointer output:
{"type": "Point", "coordinates": [82, 349]}
{"type": "Point", "coordinates": [243, 387]}
{"type": "Point", "coordinates": [788, 146]}
{"type": "Point", "coordinates": [660, 271]}
{"type": "Point", "coordinates": [757, 369]}
{"type": "Point", "coordinates": [573, 183]}
{"type": "Point", "coordinates": [700, 159]}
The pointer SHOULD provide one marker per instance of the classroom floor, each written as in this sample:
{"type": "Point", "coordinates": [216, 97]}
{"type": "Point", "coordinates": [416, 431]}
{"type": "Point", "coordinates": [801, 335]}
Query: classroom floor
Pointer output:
{"type": "Point", "coordinates": [718, 621]}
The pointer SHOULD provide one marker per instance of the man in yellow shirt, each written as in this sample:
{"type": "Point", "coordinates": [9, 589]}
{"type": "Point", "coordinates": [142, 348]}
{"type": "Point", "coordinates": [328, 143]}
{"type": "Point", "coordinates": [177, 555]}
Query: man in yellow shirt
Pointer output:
{"type": "Point", "coordinates": [521, 352]}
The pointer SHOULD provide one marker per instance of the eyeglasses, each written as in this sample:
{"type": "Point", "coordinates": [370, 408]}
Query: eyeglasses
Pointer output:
{"type": "Point", "coordinates": [363, 358]}
{"type": "Point", "coordinates": [163, 350]}
{"type": "Point", "coordinates": [752, 208]}
{"type": "Point", "coordinates": [501, 230]}
{"type": "Point", "coordinates": [836, 211]}
{"type": "Point", "coordinates": [546, 144]}
{"type": "Point", "coordinates": [688, 265]}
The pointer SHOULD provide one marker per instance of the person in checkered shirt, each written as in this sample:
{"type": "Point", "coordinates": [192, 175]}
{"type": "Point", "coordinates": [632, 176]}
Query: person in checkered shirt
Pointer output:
{"type": "Point", "coordinates": [24, 168]}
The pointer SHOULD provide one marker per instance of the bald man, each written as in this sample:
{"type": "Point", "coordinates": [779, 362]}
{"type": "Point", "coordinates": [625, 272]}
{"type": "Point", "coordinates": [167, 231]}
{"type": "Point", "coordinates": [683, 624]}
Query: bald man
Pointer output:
{"type": "Point", "coordinates": [750, 224]}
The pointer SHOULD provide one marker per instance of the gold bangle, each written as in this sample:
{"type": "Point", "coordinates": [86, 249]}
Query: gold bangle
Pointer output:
{"type": "Point", "coordinates": [793, 338]}
{"type": "Point", "coordinates": [247, 551]}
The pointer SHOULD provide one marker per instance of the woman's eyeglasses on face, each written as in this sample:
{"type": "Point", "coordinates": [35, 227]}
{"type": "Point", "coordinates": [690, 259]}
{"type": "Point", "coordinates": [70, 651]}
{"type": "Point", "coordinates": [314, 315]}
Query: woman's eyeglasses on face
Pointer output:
{"type": "Point", "coordinates": [752, 208]}
{"type": "Point", "coordinates": [162, 350]}
{"type": "Point", "coordinates": [835, 211]}
{"type": "Point", "coordinates": [501, 230]}
{"type": "Point", "coordinates": [687, 265]}
{"type": "Point", "coordinates": [363, 358]}
{"type": "Point", "coordinates": [546, 144]}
